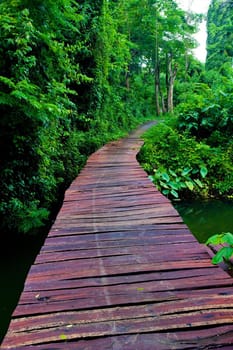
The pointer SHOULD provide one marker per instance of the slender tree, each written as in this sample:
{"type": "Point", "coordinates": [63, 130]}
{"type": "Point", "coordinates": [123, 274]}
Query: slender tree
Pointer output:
{"type": "Point", "coordinates": [161, 32]}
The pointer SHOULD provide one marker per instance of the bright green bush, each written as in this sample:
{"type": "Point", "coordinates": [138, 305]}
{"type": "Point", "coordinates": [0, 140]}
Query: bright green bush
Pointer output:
{"type": "Point", "coordinates": [182, 167]}
{"type": "Point", "coordinates": [225, 253]}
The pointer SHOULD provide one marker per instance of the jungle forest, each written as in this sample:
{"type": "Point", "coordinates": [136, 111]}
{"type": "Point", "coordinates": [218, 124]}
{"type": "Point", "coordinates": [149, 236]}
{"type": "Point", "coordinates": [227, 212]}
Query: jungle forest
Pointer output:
{"type": "Point", "coordinates": [76, 74]}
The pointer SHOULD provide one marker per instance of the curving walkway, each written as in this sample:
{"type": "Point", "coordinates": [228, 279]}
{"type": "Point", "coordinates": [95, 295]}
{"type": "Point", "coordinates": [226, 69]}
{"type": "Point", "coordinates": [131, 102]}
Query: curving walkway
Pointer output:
{"type": "Point", "coordinates": [120, 270]}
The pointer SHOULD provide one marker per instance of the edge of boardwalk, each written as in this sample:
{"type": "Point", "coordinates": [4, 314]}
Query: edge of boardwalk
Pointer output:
{"type": "Point", "coordinates": [120, 270]}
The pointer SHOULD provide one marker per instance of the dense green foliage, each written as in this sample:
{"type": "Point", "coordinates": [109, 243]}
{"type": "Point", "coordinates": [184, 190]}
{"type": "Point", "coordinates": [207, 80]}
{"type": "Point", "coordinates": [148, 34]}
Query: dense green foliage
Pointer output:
{"type": "Point", "coordinates": [192, 154]}
{"type": "Point", "coordinates": [36, 108]}
{"type": "Point", "coordinates": [220, 35]}
{"type": "Point", "coordinates": [161, 33]}
{"type": "Point", "coordinates": [77, 74]}
{"type": "Point", "coordinates": [182, 166]}
{"type": "Point", "coordinates": [62, 95]}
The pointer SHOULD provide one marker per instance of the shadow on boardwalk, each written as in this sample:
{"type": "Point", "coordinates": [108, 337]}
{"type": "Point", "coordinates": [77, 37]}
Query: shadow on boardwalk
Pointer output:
{"type": "Point", "coordinates": [120, 270]}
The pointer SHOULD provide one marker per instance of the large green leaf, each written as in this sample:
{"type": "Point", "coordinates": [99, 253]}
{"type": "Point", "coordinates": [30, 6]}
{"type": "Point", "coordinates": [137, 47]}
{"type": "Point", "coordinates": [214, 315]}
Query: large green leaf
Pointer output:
{"type": "Point", "coordinates": [165, 177]}
{"type": "Point", "coordinates": [228, 238]}
{"type": "Point", "coordinates": [174, 185]}
{"type": "Point", "coordinates": [172, 173]}
{"type": "Point", "coordinates": [175, 194]}
{"type": "Point", "coordinates": [190, 185]}
{"type": "Point", "coordinates": [203, 171]}
{"type": "Point", "coordinates": [221, 239]}
{"type": "Point", "coordinates": [186, 171]}
{"type": "Point", "coordinates": [224, 253]}
{"type": "Point", "coordinates": [165, 192]}
{"type": "Point", "coordinates": [199, 183]}
{"type": "Point", "coordinates": [215, 239]}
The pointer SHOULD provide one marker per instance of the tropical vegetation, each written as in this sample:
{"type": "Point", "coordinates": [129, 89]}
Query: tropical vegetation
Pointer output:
{"type": "Point", "coordinates": [191, 153]}
{"type": "Point", "coordinates": [63, 93]}
{"type": "Point", "coordinates": [225, 242]}
{"type": "Point", "coordinates": [75, 74]}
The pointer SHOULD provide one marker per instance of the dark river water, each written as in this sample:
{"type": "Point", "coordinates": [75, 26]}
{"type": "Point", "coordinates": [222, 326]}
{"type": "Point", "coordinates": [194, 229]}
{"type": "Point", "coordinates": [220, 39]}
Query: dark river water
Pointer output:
{"type": "Point", "coordinates": [16, 257]}
{"type": "Point", "coordinates": [206, 218]}
{"type": "Point", "coordinates": [203, 218]}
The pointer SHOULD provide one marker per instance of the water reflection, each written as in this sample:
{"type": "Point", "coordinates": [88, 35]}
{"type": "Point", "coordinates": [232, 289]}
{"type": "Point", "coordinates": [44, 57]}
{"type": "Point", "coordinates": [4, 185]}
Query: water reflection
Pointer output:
{"type": "Point", "coordinates": [205, 218]}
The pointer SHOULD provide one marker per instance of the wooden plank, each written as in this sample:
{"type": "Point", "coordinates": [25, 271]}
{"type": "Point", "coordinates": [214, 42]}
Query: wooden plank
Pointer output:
{"type": "Point", "coordinates": [125, 312]}
{"type": "Point", "coordinates": [46, 301]}
{"type": "Point", "coordinates": [36, 286]}
{"type": "Point", "coordinates": [120, 270]}
{"type": "Point", "coordinates": [192, 340]}
{"type": "Point", "coordinates": [113, 326]}
{"type": "Point", "coordinates": [87, 252]}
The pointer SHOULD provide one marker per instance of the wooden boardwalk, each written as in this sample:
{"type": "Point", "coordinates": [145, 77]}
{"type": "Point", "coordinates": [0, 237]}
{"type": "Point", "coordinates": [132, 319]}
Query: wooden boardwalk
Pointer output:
{"type": "Point", "coordinates": [120, 270]}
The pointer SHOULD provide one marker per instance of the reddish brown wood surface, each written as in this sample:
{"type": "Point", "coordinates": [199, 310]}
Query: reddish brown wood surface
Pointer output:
{"type": "Point", "coordinates": [120, 270]}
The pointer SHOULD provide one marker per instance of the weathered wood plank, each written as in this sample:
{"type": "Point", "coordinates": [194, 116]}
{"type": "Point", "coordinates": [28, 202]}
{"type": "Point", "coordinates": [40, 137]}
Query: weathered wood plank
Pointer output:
{"type": "Point", "coordinates": [104, 298]}
{"type": "Point", "coordinates": [123, 279]}
{"type": "Point", "coordinates": [124, 325]}
{"type": "Point", "coordinates": [120, 270]}
{"type": "Point", "coordinates": [192, 340]}
{"type": "Point", "coordinates": [125, 312]}
{"type": "Point", "coordinates": [118, 294]}
{"type": "Point", "coordinates": [88, 252]}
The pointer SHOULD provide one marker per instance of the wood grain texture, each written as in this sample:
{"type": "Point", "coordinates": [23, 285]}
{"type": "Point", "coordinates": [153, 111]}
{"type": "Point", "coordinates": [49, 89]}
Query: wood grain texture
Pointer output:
{"type": "Point", "coordinates": [120, 270]}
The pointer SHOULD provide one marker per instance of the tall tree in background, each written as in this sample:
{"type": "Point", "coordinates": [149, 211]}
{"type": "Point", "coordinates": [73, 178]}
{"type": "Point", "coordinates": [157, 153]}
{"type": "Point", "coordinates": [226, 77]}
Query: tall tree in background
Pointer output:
{"type": "Point", "coordinates": [161, 33]}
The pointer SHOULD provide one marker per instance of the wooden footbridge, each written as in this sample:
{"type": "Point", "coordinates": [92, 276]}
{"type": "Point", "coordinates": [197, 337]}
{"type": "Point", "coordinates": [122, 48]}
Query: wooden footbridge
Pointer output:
{"type": "Point", "coordinates": [119, 270]}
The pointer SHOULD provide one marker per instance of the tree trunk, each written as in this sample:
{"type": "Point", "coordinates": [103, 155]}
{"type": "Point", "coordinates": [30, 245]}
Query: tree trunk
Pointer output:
{"type": "Point", "coordinates": [157, 73]}
{"type": "Point", "coordinates": [127, 81]}
{"type": "Point", "coordinates": [170, 96]}
{"type": "Point", "coordinates": [164, 109]}
{"type": "Point", "coordinates": [157, 90]}
{"type": "Point", "coordinates": [171, 75]}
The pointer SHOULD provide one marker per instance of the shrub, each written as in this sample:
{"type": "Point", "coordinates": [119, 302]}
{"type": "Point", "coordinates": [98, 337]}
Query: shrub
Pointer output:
{"type": "Point", "coordinates": [181, 166]}
{"type": "Point", "coordinates": [226, 251]}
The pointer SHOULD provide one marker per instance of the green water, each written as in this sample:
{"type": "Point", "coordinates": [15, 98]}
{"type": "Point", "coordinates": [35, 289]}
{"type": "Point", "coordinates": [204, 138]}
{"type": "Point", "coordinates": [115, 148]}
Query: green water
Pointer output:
{"type": "Point", "coordinates": [16, 257]}
{"type": "Point", "coordinates": [205, 218]}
